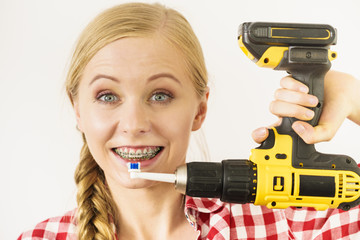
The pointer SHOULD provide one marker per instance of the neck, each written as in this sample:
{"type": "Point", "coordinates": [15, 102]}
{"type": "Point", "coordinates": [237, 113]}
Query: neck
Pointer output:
{"type": "Point", "coordinates": [151, 212]}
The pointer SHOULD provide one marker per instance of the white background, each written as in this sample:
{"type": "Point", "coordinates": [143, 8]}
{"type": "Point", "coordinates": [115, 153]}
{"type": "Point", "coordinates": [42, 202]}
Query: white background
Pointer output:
{"type": "Point", "coordinates": [39, 145]}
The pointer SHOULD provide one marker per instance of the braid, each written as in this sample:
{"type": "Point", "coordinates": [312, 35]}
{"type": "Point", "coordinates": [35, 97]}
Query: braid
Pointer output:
{"type": "Point", "coordinates": [95, 205]}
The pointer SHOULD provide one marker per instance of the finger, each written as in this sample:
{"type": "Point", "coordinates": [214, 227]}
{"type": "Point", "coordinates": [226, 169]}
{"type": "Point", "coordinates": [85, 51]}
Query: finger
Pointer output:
{"type": "Point", "coordinates": [293, 84]}
{"type": "Point", "coordinates": [299, 98]}
{"type": "Point", "coordinates": [259, 135]}
{"type": "Point", "coordinates": [277, 123]}
{"type": "Point", "coordinates": [305, 131]}
{"type": "Point", "coordinates": [312, 135]}
{"type": "Point", "coordinates": [285, 109]}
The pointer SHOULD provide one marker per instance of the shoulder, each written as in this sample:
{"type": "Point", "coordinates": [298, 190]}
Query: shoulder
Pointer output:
{"type": "Point", "coordinates": [59, 228]}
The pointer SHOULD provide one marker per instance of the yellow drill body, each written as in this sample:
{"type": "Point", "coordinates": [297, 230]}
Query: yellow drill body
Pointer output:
{"type": "Point", "coordinates": [278, 182]}
{"type": "Point", "coordinates": [288, 171]}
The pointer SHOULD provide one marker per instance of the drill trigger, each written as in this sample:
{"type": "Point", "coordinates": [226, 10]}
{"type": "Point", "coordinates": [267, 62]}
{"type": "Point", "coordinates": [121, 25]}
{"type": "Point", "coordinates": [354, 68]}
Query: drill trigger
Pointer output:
{"type": "Point", "coordinates": [269, 141]}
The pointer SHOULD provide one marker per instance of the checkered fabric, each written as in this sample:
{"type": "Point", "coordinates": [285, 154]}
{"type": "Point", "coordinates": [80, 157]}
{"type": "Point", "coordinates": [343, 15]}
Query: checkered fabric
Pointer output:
{"type": "Point", "coordinates": [223, 221]}
{"type": "Point", "coordinates": [216, 220]}
{"type": "Point", "coordinates": [57, 228]}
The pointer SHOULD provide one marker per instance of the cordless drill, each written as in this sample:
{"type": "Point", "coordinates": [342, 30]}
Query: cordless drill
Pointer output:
{"type": "Point", "coordinates": [283, 171]}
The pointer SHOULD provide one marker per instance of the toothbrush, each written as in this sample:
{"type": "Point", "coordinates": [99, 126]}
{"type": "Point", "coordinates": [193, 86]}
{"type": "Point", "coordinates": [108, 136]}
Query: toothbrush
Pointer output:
{"type": "Point", "coordinates": [160, 177]}
{"type": "Point", "coordinates": [179, 178]}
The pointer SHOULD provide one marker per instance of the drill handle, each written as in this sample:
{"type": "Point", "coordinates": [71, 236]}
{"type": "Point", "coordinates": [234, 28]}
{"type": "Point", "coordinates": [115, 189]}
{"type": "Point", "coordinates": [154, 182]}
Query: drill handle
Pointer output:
{"type": "Point", "coordinates": [309, 66]}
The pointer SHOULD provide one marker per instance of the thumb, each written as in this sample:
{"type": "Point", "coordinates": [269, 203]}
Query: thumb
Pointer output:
{"type": "Point", "coordinates": [259, 135]}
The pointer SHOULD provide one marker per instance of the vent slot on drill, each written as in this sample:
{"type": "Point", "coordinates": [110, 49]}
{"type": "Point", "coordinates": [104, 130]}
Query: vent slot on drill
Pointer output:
{"type": "Point", "coordinates": [348, 186]}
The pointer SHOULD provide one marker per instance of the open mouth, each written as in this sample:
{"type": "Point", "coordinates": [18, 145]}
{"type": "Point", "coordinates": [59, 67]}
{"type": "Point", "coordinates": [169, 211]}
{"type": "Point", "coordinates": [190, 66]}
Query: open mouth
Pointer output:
{"type": "Point", "coordinates": [137, 154]}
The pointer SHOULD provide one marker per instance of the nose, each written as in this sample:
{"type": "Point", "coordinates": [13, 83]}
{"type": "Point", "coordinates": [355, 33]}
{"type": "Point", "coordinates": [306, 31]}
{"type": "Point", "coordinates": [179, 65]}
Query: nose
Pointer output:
{"type": "Point", "coordinates": [134, 119]}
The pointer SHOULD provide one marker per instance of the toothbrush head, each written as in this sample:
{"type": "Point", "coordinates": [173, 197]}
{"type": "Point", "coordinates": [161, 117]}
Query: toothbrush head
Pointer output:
{"type": "Point", "coordinates": [133, 167]}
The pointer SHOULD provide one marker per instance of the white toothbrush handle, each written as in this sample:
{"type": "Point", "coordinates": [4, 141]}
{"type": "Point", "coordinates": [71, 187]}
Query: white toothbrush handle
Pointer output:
{"type": "Point", "coordinates": [161, 177]}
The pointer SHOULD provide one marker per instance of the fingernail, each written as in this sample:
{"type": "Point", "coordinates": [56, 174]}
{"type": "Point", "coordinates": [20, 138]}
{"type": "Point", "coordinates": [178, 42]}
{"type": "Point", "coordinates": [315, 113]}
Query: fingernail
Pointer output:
{"type": "Point", "coordinates": [304, 89]}
{"type": "Point", "coordinates": [313, 101]}
{"type": "Point", "coordinates": [260, 132]}
{"type": "Point", "coordinates": [299, 128]}
{"type": "Point", "coordinates": [309, 114]}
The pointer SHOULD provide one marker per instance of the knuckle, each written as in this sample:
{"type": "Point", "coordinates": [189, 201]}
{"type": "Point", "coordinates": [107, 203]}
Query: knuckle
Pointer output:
{"type": "Point", "coordinates": [309, 140]}
{"type": "Point", "coordinates": [290, 82]}
{"type": "Point", "coordinates": [277, 93]}
{"type": "Point", "coordinates": [286, 80]}
{"type": "Point", "coordinates": [328, 134]}
{"type": "Point", "coordinates": [304, 113]}
{"type": "Point", "coordinates": [299, 98]}
{"type": "Point", "coordinates": [328, 137]}
{"type": "Point", "coordinates": [272, 107]}
{"type": "Point", "coordinates": [298, 112]}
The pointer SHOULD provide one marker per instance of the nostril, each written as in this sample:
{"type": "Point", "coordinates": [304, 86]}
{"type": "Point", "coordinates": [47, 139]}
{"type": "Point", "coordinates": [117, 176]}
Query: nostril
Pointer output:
{"type": "Point", "coordinates": [134, 119]}
{"type": "Point", "coordinates": [136, 127]}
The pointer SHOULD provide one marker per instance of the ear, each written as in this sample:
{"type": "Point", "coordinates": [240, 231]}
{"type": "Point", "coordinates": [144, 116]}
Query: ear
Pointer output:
{"type": "Point", "coordinates": [202, 110]}
{"type": "Point", "coordinates": [77, 115]}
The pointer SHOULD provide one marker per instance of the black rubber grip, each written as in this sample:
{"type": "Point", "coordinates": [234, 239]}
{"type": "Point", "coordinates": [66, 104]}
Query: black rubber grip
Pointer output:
{"type": "Point", "coordinates": [240, 181]}
{"type": "Point", "coordinates": [204, 179]}
{"type": "Point", "coordinates": [309, 66]}
{"type": "Point", "coordinates": [231, 180]}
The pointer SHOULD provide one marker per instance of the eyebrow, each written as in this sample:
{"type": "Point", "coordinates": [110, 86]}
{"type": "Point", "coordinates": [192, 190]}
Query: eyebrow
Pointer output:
{"type": "Point", "coordinates": [164, 75]}
{"type": "Point", "coordinates": [153, 77]}
{"type": "Point", "coordinates": [104, 76]}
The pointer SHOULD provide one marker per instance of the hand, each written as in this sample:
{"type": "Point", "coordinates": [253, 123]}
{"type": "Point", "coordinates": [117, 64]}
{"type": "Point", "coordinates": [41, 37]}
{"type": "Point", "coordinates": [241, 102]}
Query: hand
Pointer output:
{"type": "Point", "coordinates": [341, 100]}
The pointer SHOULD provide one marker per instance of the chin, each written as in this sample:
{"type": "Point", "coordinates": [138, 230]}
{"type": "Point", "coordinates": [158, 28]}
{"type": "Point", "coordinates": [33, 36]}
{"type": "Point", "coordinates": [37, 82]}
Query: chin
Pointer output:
{"type": "Point", "coordinates": [124, 181]}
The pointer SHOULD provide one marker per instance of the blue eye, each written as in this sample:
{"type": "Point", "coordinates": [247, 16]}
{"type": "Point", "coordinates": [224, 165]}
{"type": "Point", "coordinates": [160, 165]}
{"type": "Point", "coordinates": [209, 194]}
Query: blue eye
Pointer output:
{"type": "Point", "coordinates": [108, 98]}
{"type": "Point", "coordinates": [161, 97]}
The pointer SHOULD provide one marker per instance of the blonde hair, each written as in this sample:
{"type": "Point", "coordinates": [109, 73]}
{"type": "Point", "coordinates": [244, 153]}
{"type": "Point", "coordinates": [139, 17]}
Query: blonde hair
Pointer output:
{"type": "Point", "coordinates": [95, 204]}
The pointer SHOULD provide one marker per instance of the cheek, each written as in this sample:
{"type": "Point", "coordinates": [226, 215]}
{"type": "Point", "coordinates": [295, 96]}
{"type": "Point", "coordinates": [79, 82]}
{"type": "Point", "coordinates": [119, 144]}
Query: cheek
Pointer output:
{"type": "Point", "coordinates": [98, 128]}
{"type": "Point", "coordinates": [97, 122]}
{"type": "Point", "coordinates": [176, 127]}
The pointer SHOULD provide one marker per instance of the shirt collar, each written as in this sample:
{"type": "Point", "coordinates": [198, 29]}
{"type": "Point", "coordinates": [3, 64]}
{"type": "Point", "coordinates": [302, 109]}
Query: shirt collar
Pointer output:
{"type": "Point", "coordinates": [204, 205]}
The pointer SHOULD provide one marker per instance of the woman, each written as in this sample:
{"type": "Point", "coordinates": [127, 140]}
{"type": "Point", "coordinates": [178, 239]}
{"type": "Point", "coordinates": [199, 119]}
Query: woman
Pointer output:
{"type": "Point", "coordinates": [138, 85]}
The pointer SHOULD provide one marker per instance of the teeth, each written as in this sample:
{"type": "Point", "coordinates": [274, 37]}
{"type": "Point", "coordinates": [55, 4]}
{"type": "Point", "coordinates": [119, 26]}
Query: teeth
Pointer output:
{"type": "Point", "coordinates": [132, 154]}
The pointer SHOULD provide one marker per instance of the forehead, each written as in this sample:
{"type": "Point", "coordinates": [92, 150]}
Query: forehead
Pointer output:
{"type": "Point", "coordinates": [131, 54]}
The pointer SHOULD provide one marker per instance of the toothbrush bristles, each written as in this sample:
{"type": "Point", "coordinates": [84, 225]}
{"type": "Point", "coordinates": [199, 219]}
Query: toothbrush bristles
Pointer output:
{"type": "Point", "coordinates": [133, 167]}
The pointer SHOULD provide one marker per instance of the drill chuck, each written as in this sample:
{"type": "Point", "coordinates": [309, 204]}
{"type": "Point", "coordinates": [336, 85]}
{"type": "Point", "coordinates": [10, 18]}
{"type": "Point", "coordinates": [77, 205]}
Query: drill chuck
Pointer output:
{"type": "Point", "coordinates": [233, 181]}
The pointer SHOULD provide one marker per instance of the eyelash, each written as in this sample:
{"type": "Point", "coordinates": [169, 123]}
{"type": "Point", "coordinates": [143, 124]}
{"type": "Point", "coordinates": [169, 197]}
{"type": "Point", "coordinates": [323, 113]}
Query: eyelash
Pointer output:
{"type": "Point", "coordinates": [102, 94]}
{"type": "Point", "coordinates": [168, 95]}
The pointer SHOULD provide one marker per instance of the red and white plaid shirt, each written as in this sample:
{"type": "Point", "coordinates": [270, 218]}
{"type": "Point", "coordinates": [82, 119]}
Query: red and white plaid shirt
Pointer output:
{"type": "Point", "coordinates": [216, 220]}
{"type": "Point", "coordinates": [223, 221]}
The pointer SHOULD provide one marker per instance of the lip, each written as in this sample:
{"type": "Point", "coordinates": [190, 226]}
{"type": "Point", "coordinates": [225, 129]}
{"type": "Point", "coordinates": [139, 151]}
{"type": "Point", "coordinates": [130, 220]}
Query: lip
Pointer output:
{"type": "Point", "coordinates": [144, 163]}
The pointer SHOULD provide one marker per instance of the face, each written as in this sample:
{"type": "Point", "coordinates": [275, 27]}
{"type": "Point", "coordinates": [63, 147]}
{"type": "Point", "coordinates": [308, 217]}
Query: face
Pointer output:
{"type": "Point", "coordinates": [136, 104]}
